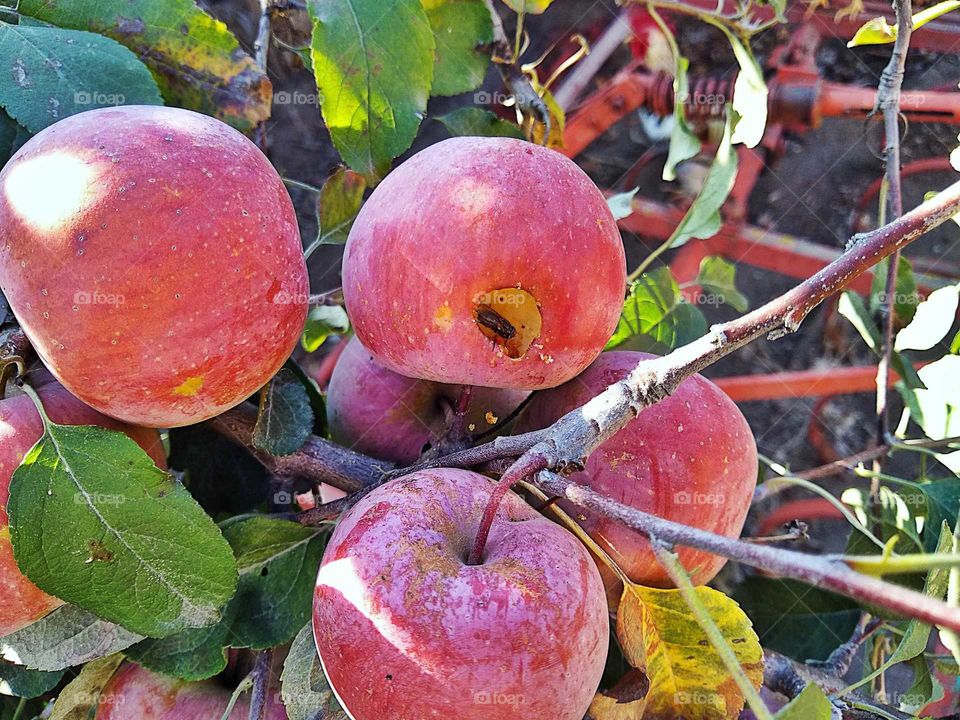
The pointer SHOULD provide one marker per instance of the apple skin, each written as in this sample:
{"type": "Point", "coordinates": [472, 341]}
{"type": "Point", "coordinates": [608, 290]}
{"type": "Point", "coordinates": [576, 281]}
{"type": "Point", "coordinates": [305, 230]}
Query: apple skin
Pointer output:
{"type": "Point", "coordinates": [20, 429]}
{"type": "Point", "coordinates": [135, 693]}
{"type": "Point", "coordinates": [690, 458]}
{"type": "Point", "coordinates": [469, 216]}
{"type": "Point", "coordinates": [376, 411]}
{"type": "Point", "coordinates": [407, 630]}
{"type": "Point", "coordinates": [152, 256]}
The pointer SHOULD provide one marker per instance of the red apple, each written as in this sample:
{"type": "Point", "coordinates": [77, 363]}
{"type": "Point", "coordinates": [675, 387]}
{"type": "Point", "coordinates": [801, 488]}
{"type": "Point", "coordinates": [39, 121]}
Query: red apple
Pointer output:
{"type": "Point", "coordinates": [407, 630]}
{"type": "Point", "coordinates": [378, 412]}
{"type": "Point", "coordinates": [134, 693]}
{"type": "Point", "coordinates": [485, 261]}
{"type": "Point", "coordinates": [152, 256]}
{"type": "Point", "coordinates": [690, 458]}
{"type": "Point", "coordinates": [20, 429]}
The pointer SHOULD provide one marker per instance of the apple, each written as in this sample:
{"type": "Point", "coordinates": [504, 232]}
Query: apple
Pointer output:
{"type": "Point", "coordinates": [690, 458]}
{"type": "Point", "coordinates": [485, 261]}
{"type": "Point", "coordinates": [152, 256]}
{"type": "Point", "coordinates": [407, 630]}
{"type": "Point", "coordinates": [20, 429]}
{"type": "Point", "coordinates": [135, 692]}
{"type": "Point", "coordinates": [376, 411]}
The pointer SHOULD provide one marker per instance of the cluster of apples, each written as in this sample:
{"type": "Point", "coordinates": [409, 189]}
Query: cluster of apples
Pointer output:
{"type": "Point", "coordinates": [152, 257]}
{"type": "Point", "coordinates": [496, 263]}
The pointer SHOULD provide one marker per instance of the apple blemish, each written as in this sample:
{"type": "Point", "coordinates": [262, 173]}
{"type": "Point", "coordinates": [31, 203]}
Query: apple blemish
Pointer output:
{"type": "Point", "coordinates": [510, 318]}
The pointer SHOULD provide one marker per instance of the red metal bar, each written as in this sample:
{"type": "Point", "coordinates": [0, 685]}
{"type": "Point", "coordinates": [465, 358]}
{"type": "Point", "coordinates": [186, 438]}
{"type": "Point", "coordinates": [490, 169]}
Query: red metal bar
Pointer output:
{"type": "Point", "coordinates": [801, 383]}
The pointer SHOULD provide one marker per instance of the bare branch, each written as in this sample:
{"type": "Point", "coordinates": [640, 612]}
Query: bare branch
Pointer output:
{"type": "Point", "coordinates": [824, 571]}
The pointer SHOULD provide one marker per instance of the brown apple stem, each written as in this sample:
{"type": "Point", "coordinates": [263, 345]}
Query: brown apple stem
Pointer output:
{"type": "Point", "coordinates": [825, 571]}
{"type": "Point", "coordinates": [518, 471]}
{"type": "Point", "coordinates": [318, 460]}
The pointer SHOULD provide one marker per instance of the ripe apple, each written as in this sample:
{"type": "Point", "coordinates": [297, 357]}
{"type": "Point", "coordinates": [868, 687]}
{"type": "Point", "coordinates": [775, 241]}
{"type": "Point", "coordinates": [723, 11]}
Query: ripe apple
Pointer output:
{"type": "Point", "coordinates": [407, 630]}
{"type": "Point", "coordinates": [20, 429]}
{"type": "Point", "coordinates": [690, 458]}
{"type": "Point", "coordinates": [152, 257]}
{"type": "Point", "coordinates": [379, 412]}
{"type": "Point", "coordinates": [485, 261]}
{"type": "Point", "coordinates": [134, 692]}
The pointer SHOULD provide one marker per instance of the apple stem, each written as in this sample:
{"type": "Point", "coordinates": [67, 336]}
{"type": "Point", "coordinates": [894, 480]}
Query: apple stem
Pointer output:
{"type": "Point", "coordinates": [526, 465]}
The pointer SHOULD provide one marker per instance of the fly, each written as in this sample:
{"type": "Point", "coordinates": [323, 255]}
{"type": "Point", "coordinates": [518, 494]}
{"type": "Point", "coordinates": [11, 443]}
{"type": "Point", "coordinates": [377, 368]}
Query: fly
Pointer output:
{"type": "Point", "coordinates": [495, 322]}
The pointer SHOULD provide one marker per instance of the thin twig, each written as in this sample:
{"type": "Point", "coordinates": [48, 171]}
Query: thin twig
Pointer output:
{"type": "Point", "coordinates": [261, 49]}
{"type": "Point", "coordinates": [888, 102]}
{"type": "Point", "coordinates": [825, 571]}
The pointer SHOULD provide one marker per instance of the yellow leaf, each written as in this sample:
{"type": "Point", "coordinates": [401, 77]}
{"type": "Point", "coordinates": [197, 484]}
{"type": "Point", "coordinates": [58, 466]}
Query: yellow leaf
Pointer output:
{"type": "Point", "coordinates": [660, 636]}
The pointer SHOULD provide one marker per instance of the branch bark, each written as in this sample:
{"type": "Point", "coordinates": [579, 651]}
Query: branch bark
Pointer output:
{"type": "Point", "coordinates": [824, 571]}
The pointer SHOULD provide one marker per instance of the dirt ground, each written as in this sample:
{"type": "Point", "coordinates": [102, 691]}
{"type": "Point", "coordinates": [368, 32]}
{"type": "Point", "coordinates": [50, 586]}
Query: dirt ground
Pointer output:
{"type": "Point", "coordinates": [810, 192]}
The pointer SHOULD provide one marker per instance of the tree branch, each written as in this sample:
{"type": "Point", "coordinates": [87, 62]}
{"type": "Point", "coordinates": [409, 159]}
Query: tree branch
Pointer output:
{"type": "Point", "coordinates": [825, 571]}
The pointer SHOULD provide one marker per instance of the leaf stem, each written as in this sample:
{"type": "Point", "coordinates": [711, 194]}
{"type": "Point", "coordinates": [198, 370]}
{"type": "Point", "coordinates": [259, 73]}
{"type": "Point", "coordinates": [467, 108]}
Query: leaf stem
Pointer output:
{"type": "Point", "coordinates": [679, 577]}
{"type": "Point", "coordinates": [244, 685]}
{"type": "Point", "coordinates": [32, 394]}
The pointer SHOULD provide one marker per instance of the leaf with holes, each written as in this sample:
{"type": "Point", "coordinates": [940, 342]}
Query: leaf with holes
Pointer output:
{"type": "Point", "coordinates": [655, 313]}
{"type": "Point", "coordinates": [94, 522]}
{"type": "Point", "coordinates": [374, 69]}
{"type": "Point", "coordinates": [463, 32]}
{"type": "Point", "coordinates": [285, 418]}
{"type": "Point", "coordinates": [479, 122]}
{"type": "Point", "coordinates": [53, 73]}
{"type": "Point", "coordinates": [278, 562]}
{"type": "Point", "coordinates": [196, 60]}
{"type": "Point", "coordinates": [660, 636]}
{"type": "Point", "coordinates": [67, 637]}
{"type": "Point", "coordinates": [304, 689]}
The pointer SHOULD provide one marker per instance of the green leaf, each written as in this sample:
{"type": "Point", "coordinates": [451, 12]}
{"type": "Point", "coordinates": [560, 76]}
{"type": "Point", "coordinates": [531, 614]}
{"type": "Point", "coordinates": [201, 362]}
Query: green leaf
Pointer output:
{"type": "Point", "coordinates": [374, 69]}
{"type": "Point", "coordinates": [322, 322]}
{"type": "Point", "coordinates": [717, 277]}
{"type": "Point", "coordinates": [852, 307]}
{"type": "Point", "coordinates": [878, 32]}
{"type": "Point", "coordinates": [943, 502]}
{"type": "Point", "coordinates": [655, 311]}
{"type": "Point", "coordinates": [463, 32]}
{"type": "Point", "coordinates": [749, 94]}
{"type": "Point", "coordinates": [338, 204]}
{"type": "Point", "coordinates": [936, 406]}
{"type": "Point", "coordinates": [924, 690]}
{"type": "Point", "coordinates": [478, 122]}
{"type": "Point", "coordinates": [66, 637]}
{"type": "Point", "coordinates": [94, 522]}
{"type": "Point", "coordinates": [285, 418]}
{"type": "Point", "coordinates": [915, 638]}
{"type": "Point", "coordinates": [21, 682]}
{"type": "Point", "coordinates": [906, 298]}
{"type": "Point", "coordinates": [796, 619]}
{"type": "Point", "coordinates": [703, 220]}
{"type": "Point", "coordinates": [933, 319]}
{"type": "Point", "coordinates": [621, 204]}
{"type": "Point", "coordinates": [303, 687]}
{"type": "Point", "coordinates": [196, 61]}
{"type": "Point", "coordinates": [278, 562]}
{"type": "Point", "coordinates": [530, 7]}
{"type": "Point", "coordinates": [684, 144]}
{"type": "Point", "coordinates": [53, 73]}
{"type": "Point", "coordinates": [810, 704]}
